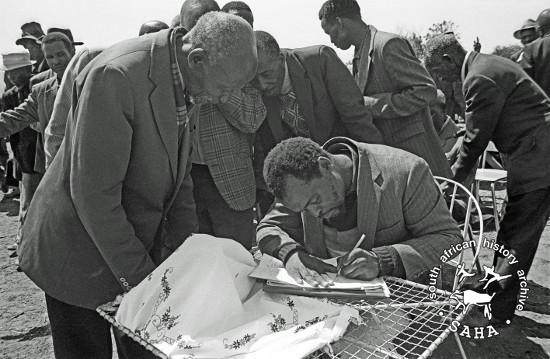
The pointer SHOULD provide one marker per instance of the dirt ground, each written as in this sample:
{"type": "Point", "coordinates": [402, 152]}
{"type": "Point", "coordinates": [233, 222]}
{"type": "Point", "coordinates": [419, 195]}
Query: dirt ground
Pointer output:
{"type": "Point", "coordinates": [24, 330]}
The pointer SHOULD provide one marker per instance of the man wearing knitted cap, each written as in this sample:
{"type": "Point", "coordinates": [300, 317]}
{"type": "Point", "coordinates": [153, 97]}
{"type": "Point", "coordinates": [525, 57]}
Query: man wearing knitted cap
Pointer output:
{"type": "Point", "coordinates": [117, 198]}
{"type": "Point", "coordinates": [396, 87]}
{"type": "Point", "coordinates": [536, 55]}
{"type": "Point", "coordinates": [505, 106]}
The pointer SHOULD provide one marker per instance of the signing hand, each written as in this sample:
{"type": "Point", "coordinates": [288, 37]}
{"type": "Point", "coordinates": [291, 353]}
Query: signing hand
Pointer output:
{"type": "Point", "coordinates": [304, 267]}
{"type": "Point", "coordinates": [360, 264]}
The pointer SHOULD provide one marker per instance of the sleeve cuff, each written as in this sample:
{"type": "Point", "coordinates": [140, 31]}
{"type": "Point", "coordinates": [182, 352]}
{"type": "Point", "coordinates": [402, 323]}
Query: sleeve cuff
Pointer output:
{"type": "Point", "coordinates": [390, 262]}
{"type": "Point", "coordinates": [288, 249]}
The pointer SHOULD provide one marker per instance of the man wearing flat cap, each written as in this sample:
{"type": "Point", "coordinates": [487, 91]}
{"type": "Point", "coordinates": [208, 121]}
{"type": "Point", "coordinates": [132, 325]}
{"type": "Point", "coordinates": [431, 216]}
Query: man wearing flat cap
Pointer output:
{"type": "Point", "coordinates": [536, 56]}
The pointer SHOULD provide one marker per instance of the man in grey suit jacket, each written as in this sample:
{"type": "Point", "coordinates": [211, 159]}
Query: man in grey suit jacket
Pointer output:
{"type": "Point", "coordinates": [328, 197]}
{"type": "Point", "coordinates": [503, 105]}
{"type": "Point", "coordinates": [396, 87]}
{"type": "Point", "coordinates": [117, 198]}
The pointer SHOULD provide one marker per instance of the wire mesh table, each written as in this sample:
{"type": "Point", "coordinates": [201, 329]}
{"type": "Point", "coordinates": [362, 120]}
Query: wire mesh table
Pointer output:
{"type": "Point", "coordinates": [412, 323]}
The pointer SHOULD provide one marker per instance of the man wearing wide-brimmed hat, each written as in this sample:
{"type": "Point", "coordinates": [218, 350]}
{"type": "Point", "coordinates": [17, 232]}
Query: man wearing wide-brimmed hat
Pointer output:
{"type": "Point", "coordinates": [527, 33]}
{"type": "Point", "coordinates": [31, 34]}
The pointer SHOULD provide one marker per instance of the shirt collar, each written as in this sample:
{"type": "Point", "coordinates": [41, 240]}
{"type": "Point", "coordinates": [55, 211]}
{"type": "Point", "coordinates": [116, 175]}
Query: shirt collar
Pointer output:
{"type": "Point", "coordinates": [463, 71]}
{"type": "Point", "coordinates": [352, 152]}
{"type": "Point", "coordinates": [175, 36]}
{"type": "Point", "coordinates": [364, 49]}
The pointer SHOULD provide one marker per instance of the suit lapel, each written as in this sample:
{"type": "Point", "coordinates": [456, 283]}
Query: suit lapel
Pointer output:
{"type": "Point", "coordinates": [363, 66]}
{"type": "Point", "coordinates": [162, 98]}
{"type": "Point", "coordinates": [369, 190]}
{"type": "Point", "coordinates": [302, 88]}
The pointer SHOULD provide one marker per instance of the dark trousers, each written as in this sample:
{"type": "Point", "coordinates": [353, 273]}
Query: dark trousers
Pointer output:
{"type": "Point", "coordinates": [520, 231]}
{"type": "Point", "coordinates": [80, 333]}
{"type": "Point", "coordinates": [215, 216]}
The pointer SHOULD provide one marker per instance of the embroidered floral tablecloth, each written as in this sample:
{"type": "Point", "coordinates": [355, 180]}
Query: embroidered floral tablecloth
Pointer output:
{"type": "Point", "coordinates": [200, 303]}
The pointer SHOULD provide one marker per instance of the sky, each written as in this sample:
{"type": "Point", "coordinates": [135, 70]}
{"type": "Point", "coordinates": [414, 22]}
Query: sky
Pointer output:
{"type": "Point", "coordinates": [293, 23]}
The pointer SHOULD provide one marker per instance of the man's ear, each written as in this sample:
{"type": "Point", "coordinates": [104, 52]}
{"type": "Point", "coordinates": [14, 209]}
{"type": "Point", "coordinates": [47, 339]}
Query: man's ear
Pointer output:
{"type": "Point", "coordinates": [197, 58]}
{"type": "Point", "coordinates": [324, 163]}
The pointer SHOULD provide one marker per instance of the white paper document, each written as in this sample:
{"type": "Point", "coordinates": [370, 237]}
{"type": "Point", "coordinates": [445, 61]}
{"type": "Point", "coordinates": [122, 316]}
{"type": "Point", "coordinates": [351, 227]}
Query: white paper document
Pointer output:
{"type": "Point", "coordinates": [272, 270]}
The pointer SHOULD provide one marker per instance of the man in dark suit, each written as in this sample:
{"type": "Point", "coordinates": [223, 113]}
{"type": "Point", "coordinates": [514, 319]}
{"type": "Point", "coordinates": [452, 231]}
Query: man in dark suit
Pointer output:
{"type": "Point", "coordinates": [307, 92]}
{"type": "Point", "coordinates": [117, 198]}
{"type": "Point", "coordinates": [397, 89]}
{"type": "Point", "coordinates": [503, 105]}
{"type": "Point", "coordinates": [536, 55]}
{"type": "Point", "coordinates": [329, 196]}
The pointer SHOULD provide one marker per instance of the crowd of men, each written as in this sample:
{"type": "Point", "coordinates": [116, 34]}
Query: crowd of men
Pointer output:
{"type": "Point", "coordinates": [209, 126]}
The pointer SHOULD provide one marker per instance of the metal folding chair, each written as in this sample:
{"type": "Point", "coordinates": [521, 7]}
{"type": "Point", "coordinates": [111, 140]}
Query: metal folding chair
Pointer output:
{"type": "Point", "coordinates": [491, 176]}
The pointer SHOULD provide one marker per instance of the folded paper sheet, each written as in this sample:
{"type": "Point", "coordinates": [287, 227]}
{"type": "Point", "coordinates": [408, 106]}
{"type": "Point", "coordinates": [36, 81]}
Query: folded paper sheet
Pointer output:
{"type": "Point", "coordinates": [200, 303]}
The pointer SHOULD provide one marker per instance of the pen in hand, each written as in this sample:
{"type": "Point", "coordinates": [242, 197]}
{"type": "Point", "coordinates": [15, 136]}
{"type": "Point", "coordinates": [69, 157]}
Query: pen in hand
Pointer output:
{"type": "Point", "coordinates": [341, 264]}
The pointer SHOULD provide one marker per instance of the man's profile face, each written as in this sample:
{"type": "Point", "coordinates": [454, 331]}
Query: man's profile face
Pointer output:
{"type": "Point", "coordinates": [34, 49]}
{"type": "Point", "coordinates": [338, 34]}
{"type": "Point", "coordinates": [323, 197]}
{"type": "Point", "coordinates": [528, 36]}
{"type": "Point", "coordinates": [57, 56]}
{"type": "Point", "coordinates": [270, 75]}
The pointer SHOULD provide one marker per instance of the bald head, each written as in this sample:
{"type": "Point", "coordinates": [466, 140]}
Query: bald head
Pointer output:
{"type": "Point", "coordinates": [152, 26]}
{"type": "Point", "coordinates": [192, 10]}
